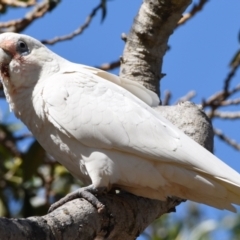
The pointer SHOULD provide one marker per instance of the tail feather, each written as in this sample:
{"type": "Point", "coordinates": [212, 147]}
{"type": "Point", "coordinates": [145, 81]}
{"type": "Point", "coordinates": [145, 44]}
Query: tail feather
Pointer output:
{"type": "Point", "coordinates": [184, 193]}
{"type": "Point", "coordinates": [200, 187]}
{"type": "Point", "coordinates": [202, 196]}
{"type": "Point", "coordinates": [233, 192]}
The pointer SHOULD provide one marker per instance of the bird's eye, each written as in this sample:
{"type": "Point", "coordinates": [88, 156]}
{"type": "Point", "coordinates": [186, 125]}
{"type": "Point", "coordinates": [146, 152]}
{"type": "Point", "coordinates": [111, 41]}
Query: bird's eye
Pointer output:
{"type": "Point", "coordinates": [22, 48]}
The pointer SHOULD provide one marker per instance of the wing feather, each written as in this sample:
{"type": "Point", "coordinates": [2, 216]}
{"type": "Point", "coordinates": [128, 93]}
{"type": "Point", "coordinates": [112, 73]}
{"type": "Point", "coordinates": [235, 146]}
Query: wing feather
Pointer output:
{"type": "Point", "coordinates": [101, 114]}
{"type": "Point", "coordinates": [146, 95]}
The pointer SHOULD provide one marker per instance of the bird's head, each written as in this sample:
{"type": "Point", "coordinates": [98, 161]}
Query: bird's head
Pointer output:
{"type": "Point", "coordinates": [24, 61]}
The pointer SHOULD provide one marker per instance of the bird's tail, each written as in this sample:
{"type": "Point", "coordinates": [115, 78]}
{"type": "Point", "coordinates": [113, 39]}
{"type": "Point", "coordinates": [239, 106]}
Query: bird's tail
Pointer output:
{"type": "Point", "coordinates": [208, 180]}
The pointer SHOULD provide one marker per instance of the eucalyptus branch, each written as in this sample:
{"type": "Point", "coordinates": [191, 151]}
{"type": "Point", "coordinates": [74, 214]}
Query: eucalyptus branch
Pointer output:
{"type": "Point", "coordinates": [187, 97]}
{"type": "Point", "coordinates": [218, 98]}
{"type": "Point", "coordinates": [19, 25]}
{"type": "Point", "coordinates": [226, 115]}
{"type": "Point", "coordinates": [109, 66]}
{"type": "Point", "coordinates": [231, 102]}
{"type": "Point", "coordinates": [147, 41]}
{"type": "Point", "coordinates": [195, 9]}
{"type": "Point", "coordinates": [167, 98]}
{"type": "Point", "coordinates": [78, 31]}
{"type": "Point", "coordinates": [226, 139]}
{"type": "Point", "coordinates": [17, 3]}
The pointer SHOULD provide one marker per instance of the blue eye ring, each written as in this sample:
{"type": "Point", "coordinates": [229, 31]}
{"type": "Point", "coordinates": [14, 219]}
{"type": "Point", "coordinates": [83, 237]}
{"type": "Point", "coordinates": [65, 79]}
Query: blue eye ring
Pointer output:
{"type": "Point", "coordinates": [22, 48]}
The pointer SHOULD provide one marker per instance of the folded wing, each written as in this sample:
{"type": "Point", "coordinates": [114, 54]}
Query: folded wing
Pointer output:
{"type": "Point", "coordinates": [101, 114]}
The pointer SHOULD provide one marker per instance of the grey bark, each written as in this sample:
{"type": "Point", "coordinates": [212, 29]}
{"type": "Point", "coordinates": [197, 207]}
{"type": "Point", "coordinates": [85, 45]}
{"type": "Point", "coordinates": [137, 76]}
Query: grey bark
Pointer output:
{"type": "Point", "coordinates": [147, 41]}
{"type": "Point", "coordinates": [126, 215]}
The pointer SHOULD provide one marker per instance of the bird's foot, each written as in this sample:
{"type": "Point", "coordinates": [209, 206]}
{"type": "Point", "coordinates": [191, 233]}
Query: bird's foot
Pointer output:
{"type": "Point", "coordinates": [88, 193]}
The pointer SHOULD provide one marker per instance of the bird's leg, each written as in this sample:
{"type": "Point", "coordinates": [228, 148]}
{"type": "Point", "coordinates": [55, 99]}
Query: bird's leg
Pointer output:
{"type": "Point", "coordinates": [88, 193]}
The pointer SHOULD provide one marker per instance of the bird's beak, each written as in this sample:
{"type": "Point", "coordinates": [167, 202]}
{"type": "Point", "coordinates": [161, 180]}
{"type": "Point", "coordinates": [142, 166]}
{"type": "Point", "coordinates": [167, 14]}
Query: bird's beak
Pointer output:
{"type": "Point", "coordinates": [5, 57]}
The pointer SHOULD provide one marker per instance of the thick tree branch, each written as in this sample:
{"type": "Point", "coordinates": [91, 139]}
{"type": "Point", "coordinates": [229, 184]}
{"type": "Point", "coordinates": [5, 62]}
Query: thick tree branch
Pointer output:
{"type": "Point", "coordinates": [195, 9]}
{"type": "Point", "coordinates": [126, 216]}
{"type": "Point", "coordinates": [147, 41]}
{"type": "Point", "coordinates": [142, 61]}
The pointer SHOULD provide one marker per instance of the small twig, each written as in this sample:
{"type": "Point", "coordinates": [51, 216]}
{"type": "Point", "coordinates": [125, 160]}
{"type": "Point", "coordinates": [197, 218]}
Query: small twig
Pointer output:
{"type": "Point", "coordinates": [17, 3]}
{"type": "Point", "coordinates": [236, 89]}
{"type": "Point", "coordinates": [196, 8]}
{"type": "Point", "coordinates": [78, 31]}
{"type": "Point", "coordinates": [109, 66]}
{"type": "Point", "coordinates": [187, 97]}
{"type": "Point", "coordinates": [24, 136]}
{"type": "Point", "coordinates": [20, 24]}
{"type": "Point", "coordinates": [226, 115]}
{"type": "Point", "coordinates": [229, 78]}
{"type": "Point", "coordinates": [167, 98]}
{"type": "Point", "coordinates": [230, 102]}
{"type": "Point", "coordinates": [2, 94]}
{"type": "Point", "coordinates": [229, 141]}
{"type": "Point", "coordinates": [215, 100]}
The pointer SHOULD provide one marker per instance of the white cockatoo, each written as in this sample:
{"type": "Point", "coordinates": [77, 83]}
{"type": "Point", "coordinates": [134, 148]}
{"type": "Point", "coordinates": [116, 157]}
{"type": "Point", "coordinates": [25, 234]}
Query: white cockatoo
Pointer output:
{"type": "Point", "coordinates": [103, 130]}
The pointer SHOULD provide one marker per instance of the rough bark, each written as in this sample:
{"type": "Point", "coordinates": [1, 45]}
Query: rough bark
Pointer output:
{"type": "Point", "coordinates": [147, 41]}
{"type": "Point", "coordinates": [126, 215]}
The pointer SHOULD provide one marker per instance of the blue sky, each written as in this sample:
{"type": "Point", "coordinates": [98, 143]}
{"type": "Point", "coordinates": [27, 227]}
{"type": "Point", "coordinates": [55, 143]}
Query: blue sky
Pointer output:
{"type": "Point", "coordinates": [198, 60]}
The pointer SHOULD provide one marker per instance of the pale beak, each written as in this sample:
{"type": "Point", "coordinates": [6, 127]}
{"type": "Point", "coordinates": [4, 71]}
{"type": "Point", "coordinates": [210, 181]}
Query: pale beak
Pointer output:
{"type": "Point", "coordinates": [5, 57]}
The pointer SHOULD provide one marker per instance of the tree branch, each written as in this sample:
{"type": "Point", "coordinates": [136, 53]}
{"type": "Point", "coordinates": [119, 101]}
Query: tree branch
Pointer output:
{"type": "Point", "coordinates": [231, 102]}
{"type": "Point", "coordinates": [17, 3]}
{"type": "Point", "coordinates": [126, 216]}
{"type": "Point", "coordinates": [226, 115]}
{"type": "Point", "coordinates": [226, 139]}
{"type": "Point", "coordinates": [20, 24]}
{"type": "Point", "coordinates": [78, 31]}
{"type": "Point", "coordinates": [187, 97]}
{"type": "Point", "coordinates": [167, 98]}
{"type": "Point", "coordinates": [147, 41]}
{"type": "Point", "coordinates": [109, 66]}
{"type": "Point", "coordinates": [195, 9]}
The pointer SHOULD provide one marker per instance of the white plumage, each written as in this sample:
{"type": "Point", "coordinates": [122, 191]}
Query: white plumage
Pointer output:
{"type": "Point", "coordinates": [103, 130]}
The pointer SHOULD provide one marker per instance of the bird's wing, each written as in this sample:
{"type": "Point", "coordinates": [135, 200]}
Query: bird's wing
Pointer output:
{"type": "Point", "coordinates": [148, 96]}
{"type": "Point", "coordinates": [101, 114]}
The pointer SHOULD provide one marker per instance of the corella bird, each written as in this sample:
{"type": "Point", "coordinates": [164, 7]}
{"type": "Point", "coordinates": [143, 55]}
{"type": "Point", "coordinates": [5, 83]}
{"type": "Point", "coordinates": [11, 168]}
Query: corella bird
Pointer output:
{"type": "Point", "coordinates": [103, 130]}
